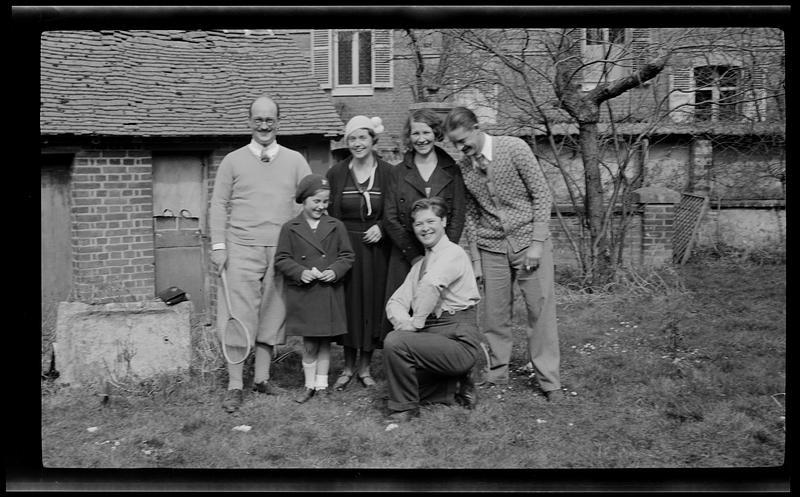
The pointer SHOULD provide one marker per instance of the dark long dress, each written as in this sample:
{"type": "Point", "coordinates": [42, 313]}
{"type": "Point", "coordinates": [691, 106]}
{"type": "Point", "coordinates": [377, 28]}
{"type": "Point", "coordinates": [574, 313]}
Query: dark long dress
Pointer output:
{"type": "Point", "coordinates": [365, 283]}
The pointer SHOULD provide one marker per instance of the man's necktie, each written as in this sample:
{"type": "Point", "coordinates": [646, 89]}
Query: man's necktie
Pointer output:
{"type": "Point", "coordinates": [481, 163]}
{"type": "Point", "coordinates": [264, 155]}
{"type": "Point", "coordinates": [424, 265]}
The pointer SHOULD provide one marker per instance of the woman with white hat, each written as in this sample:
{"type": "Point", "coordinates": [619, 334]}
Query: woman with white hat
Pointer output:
{"type": "Point", "coordinates": [358, 186]}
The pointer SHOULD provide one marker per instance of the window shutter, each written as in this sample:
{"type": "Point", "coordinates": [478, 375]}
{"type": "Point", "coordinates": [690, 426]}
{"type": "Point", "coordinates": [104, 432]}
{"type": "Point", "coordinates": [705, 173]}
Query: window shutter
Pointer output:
{"type": "Point", "coordinates": [321, 56]}
{"type": "Point", "coordinates": [681, 95]}
{"type": "Point", "coordinates": [755, 103]}
{"type": "Point", "coordinates": [382, 63]}
{"type": "Point", "coordinates": [640, 48]}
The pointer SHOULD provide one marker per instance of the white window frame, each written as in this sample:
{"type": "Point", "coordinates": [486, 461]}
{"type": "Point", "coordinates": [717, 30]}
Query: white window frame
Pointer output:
{"type": "Point", "coordinates": [605, 34]}
{"type": "Point", "coordinates": [357, 89]}
{"type": "Point", "coordinates": [716, 94]}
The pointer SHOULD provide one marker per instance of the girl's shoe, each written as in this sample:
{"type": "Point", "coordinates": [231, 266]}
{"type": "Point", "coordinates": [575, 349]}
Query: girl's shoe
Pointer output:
{"type": "Point", "coordinates": [342, 381]}
{"type": "Point", "coordinates": [305, 395]}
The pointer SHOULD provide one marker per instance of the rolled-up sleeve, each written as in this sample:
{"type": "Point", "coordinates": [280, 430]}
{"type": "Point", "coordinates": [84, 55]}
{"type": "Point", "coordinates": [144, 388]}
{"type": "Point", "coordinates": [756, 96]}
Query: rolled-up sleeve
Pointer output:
{"type": "Point", "coordinates": [400, 303]}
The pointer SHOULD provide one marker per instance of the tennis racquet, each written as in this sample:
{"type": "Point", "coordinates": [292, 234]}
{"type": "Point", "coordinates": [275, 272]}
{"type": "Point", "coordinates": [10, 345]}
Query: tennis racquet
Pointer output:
{"type": "Point", "coordinates": [235, 337]}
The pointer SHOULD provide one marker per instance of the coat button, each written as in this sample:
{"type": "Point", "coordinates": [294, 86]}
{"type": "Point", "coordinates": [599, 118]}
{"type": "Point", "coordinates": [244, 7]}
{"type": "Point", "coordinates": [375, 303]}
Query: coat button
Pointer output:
{"type": "Point", "coordinates": [323, 256]}
{"type": "Point", "coordinates": [302, 257]}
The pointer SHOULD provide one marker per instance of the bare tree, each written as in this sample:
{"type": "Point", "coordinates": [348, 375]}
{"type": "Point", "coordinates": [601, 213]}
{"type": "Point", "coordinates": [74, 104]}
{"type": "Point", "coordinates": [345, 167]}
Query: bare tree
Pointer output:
{"type": "Point", "coordinates": [546, 85]}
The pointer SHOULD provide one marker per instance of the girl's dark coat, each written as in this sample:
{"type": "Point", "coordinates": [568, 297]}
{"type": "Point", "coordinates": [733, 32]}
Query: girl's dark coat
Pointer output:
{"type": "Point", "coordinates": [316, 308]}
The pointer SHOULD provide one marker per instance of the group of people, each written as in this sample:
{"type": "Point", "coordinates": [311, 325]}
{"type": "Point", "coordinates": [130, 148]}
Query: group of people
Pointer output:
{"type": "Point", "coordinates": [372, 260]}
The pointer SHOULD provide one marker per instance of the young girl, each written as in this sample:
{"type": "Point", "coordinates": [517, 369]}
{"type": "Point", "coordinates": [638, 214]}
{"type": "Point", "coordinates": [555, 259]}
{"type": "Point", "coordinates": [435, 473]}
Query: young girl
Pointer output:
{"type": "Point", "coordinates": [314, 253]}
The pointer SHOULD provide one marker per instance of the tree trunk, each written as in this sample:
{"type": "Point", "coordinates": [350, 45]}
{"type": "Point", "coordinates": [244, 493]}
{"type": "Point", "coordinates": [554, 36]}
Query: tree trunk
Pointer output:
{"type": "Point", "coordinates": [599, 257]}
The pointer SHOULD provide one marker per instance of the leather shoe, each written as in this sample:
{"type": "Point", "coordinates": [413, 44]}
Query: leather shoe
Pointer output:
{"type": "Point", "coordinates": [232, 401]}
{"type": "Point", "coordinates": [267, 388]}
{"type": "Point", "coordinates": [554, 396]}
{"type": "Point", "coordinates": [305, 395]}
{"type": "Point", "coordinates": [342, 382]}
{"type": "Point", "coordinates": [467, 396]}
{"type": "Point", "coordinates": [402, 416]}
{"type": "Point", "coordinates": [367, 381]}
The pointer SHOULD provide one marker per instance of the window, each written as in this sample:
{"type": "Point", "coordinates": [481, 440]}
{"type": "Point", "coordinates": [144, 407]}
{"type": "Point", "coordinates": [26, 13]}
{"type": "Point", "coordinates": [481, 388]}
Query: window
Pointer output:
{"type": "Point", "coordinates": [598, 36]}
{"type": "Point", "coordinates": [717, 94]}
{"type": "Point", "coordinates": [603, 56]}
{"type": "Point", "coordinates": [712, 93]}
{"type": "Point", "coordinates": [352, 61]}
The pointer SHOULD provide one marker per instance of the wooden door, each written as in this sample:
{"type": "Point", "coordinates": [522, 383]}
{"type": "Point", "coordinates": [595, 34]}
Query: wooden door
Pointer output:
{"type": "Point", "coordinates": [56, 228]}
{"type": "Point", "coordinates": [179, 202]}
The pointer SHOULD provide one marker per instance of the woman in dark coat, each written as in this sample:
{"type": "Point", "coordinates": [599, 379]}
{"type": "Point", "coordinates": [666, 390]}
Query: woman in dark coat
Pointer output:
{"type": "Point", "coordinates": [314, 255]}
{"type": "Point", "coordinates": [426, 171]}
{"type": "Point", "coordinates": [358, 188]}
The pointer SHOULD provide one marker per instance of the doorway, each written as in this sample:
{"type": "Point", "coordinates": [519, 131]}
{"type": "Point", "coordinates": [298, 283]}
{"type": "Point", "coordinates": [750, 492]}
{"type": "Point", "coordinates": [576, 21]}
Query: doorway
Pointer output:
{"type": "Point", "coordinates": [179, 219]}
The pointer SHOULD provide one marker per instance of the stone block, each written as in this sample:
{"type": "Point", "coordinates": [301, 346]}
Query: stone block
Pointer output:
{"type": "Point", "coordinates": [121, 341]}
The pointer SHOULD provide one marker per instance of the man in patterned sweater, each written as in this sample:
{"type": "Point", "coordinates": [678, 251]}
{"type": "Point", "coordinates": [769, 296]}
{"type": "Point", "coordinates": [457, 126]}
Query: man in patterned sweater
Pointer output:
{"type": "Point", "coordinates": [507, 227]}
{"type": "Point", "coordinates": [257, 184]}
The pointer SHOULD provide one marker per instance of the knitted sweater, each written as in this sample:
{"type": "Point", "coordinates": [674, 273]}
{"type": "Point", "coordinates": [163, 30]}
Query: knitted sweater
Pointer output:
{"type": "Point", "coordinates": [511, 201]}
{"type": "Point", "coordinates": [260, 196]}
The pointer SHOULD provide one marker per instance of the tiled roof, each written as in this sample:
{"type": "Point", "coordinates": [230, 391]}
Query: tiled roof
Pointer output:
{"type": "Point", "coordinates": [176, 83]}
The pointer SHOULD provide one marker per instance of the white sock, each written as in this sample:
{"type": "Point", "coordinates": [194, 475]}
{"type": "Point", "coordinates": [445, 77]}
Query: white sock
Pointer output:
{"type": "Point", "coordinates": [309, 370]}
{"type": "Point", "coordinates": [322, 382]}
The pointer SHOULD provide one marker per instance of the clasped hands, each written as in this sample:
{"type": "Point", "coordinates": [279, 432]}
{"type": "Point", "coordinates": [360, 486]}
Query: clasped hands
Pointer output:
{"type": "Point", "coordinates": [309, 275]}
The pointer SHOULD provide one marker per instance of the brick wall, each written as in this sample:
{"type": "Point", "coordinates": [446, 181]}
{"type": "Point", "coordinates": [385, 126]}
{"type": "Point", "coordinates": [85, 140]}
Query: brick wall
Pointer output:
{"type": "Point", "coordinates": [112, 230]}
{"type": "Point", "coordinates": [563, 252]}
{"type": "Point", "coordinates": [657, 231]}
{"type": "Point", "coordinates": [215, 159]}
{"type": "Point", "coordinates": [658, 224]}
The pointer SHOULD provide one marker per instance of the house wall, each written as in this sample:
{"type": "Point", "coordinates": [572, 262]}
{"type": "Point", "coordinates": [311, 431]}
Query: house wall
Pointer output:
{"type": "Point", "coordinates": [112, 232]}
{"type": "Point", "coordinates": [111, 187]}
{"type": "Point", "coordinates": [744, 226]}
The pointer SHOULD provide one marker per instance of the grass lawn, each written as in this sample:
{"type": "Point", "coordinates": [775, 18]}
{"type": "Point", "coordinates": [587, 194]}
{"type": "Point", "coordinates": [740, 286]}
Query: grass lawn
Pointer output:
{"type": "Point", "coordinates": [688, 373]}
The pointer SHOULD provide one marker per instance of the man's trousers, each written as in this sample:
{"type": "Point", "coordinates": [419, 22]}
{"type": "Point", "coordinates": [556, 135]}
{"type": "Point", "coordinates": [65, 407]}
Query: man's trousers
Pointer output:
{"type": "Point", "coordinates": [500, 271]}
{"type": "Point", "coordinates": [256, 292]}
{"type": "Point", "coordinates": [423, 367]}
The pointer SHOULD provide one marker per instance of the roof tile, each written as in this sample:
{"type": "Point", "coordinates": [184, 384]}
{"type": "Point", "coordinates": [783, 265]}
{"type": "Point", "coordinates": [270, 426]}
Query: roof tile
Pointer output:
{"type": "Point", "coordinates": [175, 83]}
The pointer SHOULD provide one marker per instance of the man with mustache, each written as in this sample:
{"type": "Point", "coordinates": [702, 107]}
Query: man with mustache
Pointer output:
{"type": "Point", "coordinates": [257, 183]}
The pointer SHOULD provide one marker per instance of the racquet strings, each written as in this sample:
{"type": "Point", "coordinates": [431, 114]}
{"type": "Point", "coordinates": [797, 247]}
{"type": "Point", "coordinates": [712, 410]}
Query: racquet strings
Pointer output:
{"type": "Point", "coordinates": [237, 341]}
{"type": "Point", "coordinates": [236, 337]}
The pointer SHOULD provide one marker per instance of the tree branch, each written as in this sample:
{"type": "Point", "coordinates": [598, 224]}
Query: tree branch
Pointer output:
{"type": "Point", "coordinates": [619, 86]}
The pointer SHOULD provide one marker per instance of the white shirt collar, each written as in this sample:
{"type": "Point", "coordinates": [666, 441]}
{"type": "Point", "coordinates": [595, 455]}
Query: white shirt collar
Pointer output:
{"type": "Point", "coordinates": [443, 241]}
{"type": "Point", "coordinates": [486, 151]}
{"type": "Point", "coordinates": [256, 148]}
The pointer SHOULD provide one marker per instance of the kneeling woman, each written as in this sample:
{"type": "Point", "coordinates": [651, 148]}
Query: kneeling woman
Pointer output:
{"type": "Point", "coordinates": [314, 253]}
{"type": "Point", "coordinates": [435, 341]}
